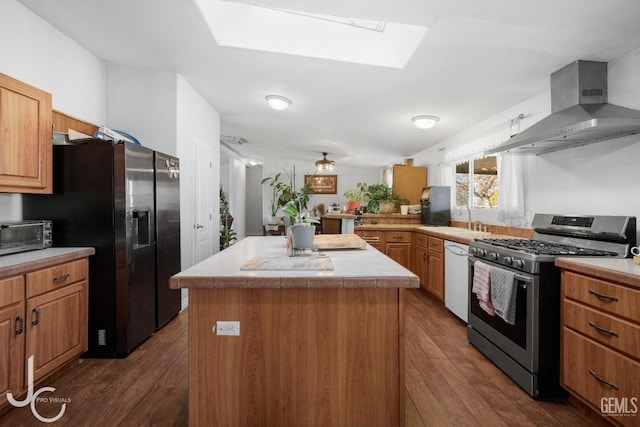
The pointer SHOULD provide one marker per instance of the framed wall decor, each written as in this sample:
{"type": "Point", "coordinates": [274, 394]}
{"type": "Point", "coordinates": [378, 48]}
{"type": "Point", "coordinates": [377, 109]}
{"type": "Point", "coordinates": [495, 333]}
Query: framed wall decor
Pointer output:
{"type": "Point", "coordinates": [322, 184]}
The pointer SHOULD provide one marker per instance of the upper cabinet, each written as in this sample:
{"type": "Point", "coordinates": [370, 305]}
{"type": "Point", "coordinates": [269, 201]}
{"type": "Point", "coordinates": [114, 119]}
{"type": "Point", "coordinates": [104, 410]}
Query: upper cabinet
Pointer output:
{"type": "Point", "coordinates": [25, 138]}
{"type": "Point", "coordinates": [407, 181]}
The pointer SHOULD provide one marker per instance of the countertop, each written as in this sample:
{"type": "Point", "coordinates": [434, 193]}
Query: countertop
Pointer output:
{"type": "Point", "coordinates": [354, 268]}
{"type": "Point", "coordinates": [456, 234]}
{"type": "Point", "coordinates": [13, 265]}
{"type": "Point", "coordinates": [620, 270]}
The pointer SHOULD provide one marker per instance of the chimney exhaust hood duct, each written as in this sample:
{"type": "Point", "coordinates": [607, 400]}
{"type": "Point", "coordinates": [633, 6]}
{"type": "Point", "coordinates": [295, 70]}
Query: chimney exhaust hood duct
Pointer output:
{"type": "Point", "coordinates": [580, 114]}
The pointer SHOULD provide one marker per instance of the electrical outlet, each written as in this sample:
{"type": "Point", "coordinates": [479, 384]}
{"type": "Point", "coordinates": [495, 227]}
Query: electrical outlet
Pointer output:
{"type": "Point", "coordinates": [228, 328]}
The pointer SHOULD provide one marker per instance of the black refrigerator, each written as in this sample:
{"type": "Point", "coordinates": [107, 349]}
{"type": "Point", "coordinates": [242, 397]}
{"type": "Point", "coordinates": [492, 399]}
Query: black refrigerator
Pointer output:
{"type": "Point", "coordinates": [167, 234]}
{"type": "Point", "coordinates": [104, 197]}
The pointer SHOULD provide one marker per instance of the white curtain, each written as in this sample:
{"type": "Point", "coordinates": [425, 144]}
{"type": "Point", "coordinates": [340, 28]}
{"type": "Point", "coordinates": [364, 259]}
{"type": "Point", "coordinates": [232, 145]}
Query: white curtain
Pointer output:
{"type": "Point", "coordinates": [511, 209]}
{"type": "Point", "coordinates": [445, 175]}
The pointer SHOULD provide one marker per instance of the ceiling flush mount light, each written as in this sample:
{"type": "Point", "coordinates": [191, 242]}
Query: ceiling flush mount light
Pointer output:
{"type": "Point", "coordinates": [325, 164]}
{"type": "Point", "coordinates": [278, 102]}
{"type": "Point", "coordinates": [425, 122]}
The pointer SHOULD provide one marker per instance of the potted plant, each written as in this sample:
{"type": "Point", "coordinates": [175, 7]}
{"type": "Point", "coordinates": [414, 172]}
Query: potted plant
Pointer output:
{"type": "Point", "coordinates": [383, 199]}
{"type": "Point", "coordinates": [280, 195]}
{"type": "Point", "coordinates": [354, 197]}
{"type": "Point", "coordinates": [226, 219]}
{"type": "Point", "coordinates": [227, 236]}
{"type": "Point", "coordinates": [302, 229]}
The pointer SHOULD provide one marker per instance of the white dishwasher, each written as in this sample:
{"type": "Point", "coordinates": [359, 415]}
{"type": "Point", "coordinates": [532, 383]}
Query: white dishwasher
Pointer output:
{"type": "Point", "coordinates": [456, 278]}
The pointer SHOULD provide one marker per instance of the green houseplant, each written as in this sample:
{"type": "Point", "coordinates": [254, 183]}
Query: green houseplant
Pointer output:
{"type": "Point", "coordinates": [354, 197]}
{"type": "Point", "coordinates": [302, 229]}
{"type": "Point", "coordinates": [382, 199]}
{"type": "Point", "coordinates": [280, 195]}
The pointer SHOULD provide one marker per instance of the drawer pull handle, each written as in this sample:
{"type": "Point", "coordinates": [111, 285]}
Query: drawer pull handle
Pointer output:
{"type": "Point", "coordinates": [37, 313]}
{"type": "Point", "coordinates": [599, 295]}
{"type": "Point", "coordinates": [20, 321]}
{"type": "Point", "coordinates": [63, 277]}
{"type": "Point", "coordinates": [602, 380]}
{"type": "Point", "coordinates": [603, 330]}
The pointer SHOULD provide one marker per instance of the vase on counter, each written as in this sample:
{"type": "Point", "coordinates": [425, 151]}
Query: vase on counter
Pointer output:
{"type": "Point", "coordinates": [302, 236]}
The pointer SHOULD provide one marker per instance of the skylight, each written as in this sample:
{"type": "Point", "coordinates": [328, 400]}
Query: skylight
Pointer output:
{"type": "Point", "coordinates": [356, 40]}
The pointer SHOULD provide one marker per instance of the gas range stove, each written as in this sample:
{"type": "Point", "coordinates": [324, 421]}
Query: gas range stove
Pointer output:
{"type": "Point", "coordinates": [560, 236]}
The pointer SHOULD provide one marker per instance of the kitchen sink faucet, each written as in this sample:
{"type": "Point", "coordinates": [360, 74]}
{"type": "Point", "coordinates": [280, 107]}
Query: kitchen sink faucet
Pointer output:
{"type": "Point", "coordinates": [469, 215]}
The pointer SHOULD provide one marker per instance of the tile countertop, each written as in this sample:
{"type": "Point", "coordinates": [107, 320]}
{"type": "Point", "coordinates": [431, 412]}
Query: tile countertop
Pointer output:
{"type": "Point", "coordinates": [354, 268]}
{"type": "Point", "coordinates": [620, 270]}
{"type": "Point", "coordinates": [13, 265]}
{"type": "Point", "coordinates": [456, 234]}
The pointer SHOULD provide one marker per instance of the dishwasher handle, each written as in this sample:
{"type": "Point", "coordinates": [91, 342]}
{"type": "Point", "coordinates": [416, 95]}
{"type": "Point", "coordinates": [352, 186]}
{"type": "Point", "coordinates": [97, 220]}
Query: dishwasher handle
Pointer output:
{"type": "Point", "coordinates": [456, 250]}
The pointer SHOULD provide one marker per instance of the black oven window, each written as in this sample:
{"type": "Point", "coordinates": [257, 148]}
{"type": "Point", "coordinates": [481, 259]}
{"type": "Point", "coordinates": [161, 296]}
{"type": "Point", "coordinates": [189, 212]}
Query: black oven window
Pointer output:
{"type": "Point", "coordinates": [516, 333]}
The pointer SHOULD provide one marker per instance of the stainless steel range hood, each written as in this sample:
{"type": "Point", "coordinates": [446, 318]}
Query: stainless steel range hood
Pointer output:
{"type": "Point", "coordinates": [580, 114]}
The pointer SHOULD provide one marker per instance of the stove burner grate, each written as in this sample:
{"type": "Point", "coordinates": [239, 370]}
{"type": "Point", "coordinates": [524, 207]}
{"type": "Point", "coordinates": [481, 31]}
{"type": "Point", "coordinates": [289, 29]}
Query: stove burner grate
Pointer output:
{"type": "Point", "coordinates": [537, 247]}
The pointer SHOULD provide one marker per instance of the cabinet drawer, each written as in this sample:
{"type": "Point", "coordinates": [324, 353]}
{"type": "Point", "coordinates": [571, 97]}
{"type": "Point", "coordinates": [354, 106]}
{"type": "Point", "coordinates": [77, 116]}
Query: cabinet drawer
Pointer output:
{"type": "Point", "coordinates": [612, 298]}
{"type": "Point", "coordinates": [398, 236]}
{"type": "Point", "coordinates": [11, 290]}
{"type": "Point", "coordinates": [609, 330]}
{"type": "Point", "coordinates": [48, 279]}
{"type": "Point", "coordinates": [584, 359]}
{"type": "Point", "coordinates": [371, 236]}
{"type": "Point", "coordinates": [421, 239]}
{"type": "Point", "coordinates": [436, 244]}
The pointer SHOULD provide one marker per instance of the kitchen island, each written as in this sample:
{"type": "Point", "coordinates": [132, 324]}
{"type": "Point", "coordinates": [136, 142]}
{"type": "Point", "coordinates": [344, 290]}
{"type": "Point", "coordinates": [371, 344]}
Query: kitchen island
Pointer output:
{"type": "Point", "coordinates": [321, 338]}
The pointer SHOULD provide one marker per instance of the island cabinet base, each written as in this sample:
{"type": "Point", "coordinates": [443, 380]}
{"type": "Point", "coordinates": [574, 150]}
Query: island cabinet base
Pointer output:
{"type": "Point", "coordinates": [304, 357]}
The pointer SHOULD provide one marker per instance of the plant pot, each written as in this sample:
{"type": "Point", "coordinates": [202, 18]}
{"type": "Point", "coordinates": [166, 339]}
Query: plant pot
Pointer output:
{"type": "Point", "coordinates": [226, 220]}
{"type": "Point", "coordinates": [273, 220]}
{"type": "Point", "coordinates": [387, 207]}
{"type": "Point", "coordinates": [351, 206]}
{"type": "Point", "coordinates": [302, 236]}
{"type": "Point", "coordinates": [404, 209]}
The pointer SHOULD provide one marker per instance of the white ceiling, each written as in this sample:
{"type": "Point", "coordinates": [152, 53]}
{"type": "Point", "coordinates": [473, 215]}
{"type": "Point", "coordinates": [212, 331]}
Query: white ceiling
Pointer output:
{"type": "Point", "coordinates": [477, 59]}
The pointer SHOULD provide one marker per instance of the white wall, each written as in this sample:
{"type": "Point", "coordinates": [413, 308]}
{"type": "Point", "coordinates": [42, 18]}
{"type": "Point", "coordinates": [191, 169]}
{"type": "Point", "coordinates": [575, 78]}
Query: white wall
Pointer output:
{"type": "Point", "coordinates": [195, 118]}
{"type": "Point", "coordinates": [600, 178]}
{"type": "Point", "coordinates": [35, 52]}
{"type": "Point", "coordinates": [142, 103]}
{"type": "Point", "coordinates": [347, 178]}
{"type": "Point", "coordinates": [253, 201]}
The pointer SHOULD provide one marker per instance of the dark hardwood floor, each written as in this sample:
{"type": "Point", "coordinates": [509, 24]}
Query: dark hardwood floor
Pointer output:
{"type": "Point", "coordinates": [448, 382]}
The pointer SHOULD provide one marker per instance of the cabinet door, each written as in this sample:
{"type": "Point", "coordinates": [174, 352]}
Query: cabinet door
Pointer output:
{"type": "Point", "coordinates": [420, 265]}
{"type": "Point", "coordinates": [25, 138]}
{"type": "Point", "coordinates": [56, 327]}
{"type": "Point", "coordinates": [400, 253]}
{"type": "Point", "coordinates": [435, 274]}
{"type": "Point", "coordinates": [12, 334]}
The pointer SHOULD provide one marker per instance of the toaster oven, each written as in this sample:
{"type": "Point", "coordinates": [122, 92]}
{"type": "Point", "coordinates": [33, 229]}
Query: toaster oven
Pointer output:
{"type": "Point", "coordinates": [21, 236]}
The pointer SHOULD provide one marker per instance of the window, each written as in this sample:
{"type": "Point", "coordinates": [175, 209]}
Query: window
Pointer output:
{"type": "Point", "coordinates": [477, 183]}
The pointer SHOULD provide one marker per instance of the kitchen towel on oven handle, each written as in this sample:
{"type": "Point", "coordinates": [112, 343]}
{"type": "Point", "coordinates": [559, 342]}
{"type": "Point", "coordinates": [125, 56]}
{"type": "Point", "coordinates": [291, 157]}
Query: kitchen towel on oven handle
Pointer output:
{"type": "Point", "coordinates": [482, 286]}
{"type": "Point", "coordinates": [503, 294]}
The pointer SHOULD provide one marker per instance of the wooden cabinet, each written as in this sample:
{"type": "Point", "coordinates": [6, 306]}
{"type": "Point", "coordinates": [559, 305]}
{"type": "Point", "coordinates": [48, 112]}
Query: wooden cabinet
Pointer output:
{"type": "Point", "coordinates": [11, 336]}
{"type": "Point", "coordinates": [435, 267]}
{"type": "Point", "coordinates": [419, 266]}
{"type": "Point", "coordinates": [42, 314]}
{"type": "Point", "coordinates": [395, 244]}
{"type": "Point", "coordinates": [600, 360]}
{"type": "Point", "coordinates": [408, 181]}
{"type": "Point", "coordinates": [373, 237]}
{"type": "Point", "coordinates": [57, 316]}
{"type": "Point", "coordinates": [25, 138]}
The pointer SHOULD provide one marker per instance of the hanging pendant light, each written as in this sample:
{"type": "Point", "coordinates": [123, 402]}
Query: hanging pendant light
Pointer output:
{"type": "Point", "coordinates": [325, 164]}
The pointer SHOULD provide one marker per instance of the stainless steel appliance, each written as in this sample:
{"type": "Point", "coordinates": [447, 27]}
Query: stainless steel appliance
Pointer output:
{"type": "Point", "coordinates": [580, 114]}
{"type": "Point", "coordinates": [435, 205]}
{"type": "Point", "coordinates": [167, 234]}
{"type": "Point", "coordinates": [528, 351]}
{"type": "Point", "coordinates": [456, 296]}
{"type": "Point", "coordinates": [22, 236]}
{"type": "Point", "coordinates": [103, 196]}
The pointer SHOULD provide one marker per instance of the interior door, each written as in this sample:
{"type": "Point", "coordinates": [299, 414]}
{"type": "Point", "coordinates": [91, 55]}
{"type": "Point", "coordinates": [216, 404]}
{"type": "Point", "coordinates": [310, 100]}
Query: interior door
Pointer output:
{"type": "Point", "coordinates": [203, 215]}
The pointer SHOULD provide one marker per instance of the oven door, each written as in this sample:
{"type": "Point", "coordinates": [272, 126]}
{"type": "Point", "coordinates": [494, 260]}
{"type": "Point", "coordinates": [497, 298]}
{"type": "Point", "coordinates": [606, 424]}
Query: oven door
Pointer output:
{"type": "Point", "coordinates": [517, 341]}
